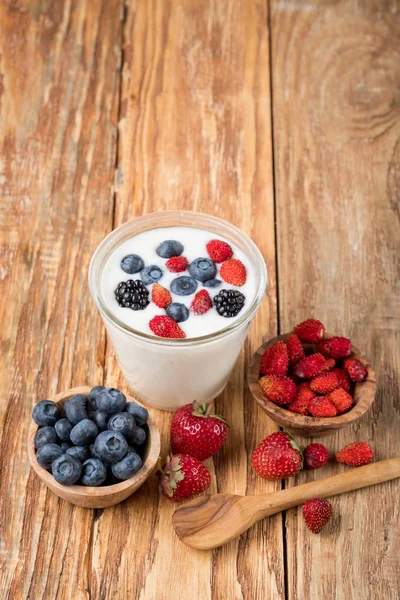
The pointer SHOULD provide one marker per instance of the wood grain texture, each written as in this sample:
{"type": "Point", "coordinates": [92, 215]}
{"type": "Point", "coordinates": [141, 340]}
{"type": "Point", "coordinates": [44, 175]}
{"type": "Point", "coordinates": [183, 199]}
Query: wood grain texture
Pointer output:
{"type": "Point", "coordinates": [336, 73]}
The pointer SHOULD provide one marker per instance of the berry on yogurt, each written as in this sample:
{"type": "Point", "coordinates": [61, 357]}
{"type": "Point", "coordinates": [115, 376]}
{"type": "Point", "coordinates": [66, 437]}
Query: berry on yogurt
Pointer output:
{"type": "Point", "coordinates": [177, 311]}
{"type": "Point", "coordinates": [169, 248]}
{"type": "Point", "coordinates": [132, 263]}
{"type": "Point", "coordinates": [202, 269]}
{"type": "Point", "coordinates": [183, 286]}
{"type": "Point", "coordinates": [132, 294]}
{"type": "Point", "coordinates": [151, 274]}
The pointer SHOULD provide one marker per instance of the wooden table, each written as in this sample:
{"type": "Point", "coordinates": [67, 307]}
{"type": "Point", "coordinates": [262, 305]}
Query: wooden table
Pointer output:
{"type": "Point", "coordinates": [282, 117]}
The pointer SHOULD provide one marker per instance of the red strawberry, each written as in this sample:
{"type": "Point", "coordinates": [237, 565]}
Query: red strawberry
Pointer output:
{"type": "Point", "coordinates": [160, 296]}
{"type": "Point", "coordinates": [295, 349]}
{"type": "Point", "coordinates": [311, 331]}
{"type": "Point", "coordinates": [335, 347]}
{"type": "Point", "coordinates": [315, 456]}
{"type": "Point", "coordinates": [303, 396]}
{"type": "Point", "coordinates": [329, 365]}
{"type": "Point", "coordinates": [194, 431]}
{"type": "Point", "coordinates": [219, 251]}
{"type": "Point", "coordinates": [344, 381]}
{"type": "Point", "coordinates": [341, 399]}
{"type": "Point", "coordinates": [276, 462]}
{"type": "Point", "coordinates": [177, 264]}
{"type": "Point", "coordinates": [275, 360]}
{"type": "Point", "coordinates": [325, 383]}
{"type": "Point", "coordinates": [356, 454]}
{"type": "Point", "coordinates": [233, 271]}
{"type": "Point", "coordinates": [201, 303]}
{"type": "Point", "coordinates": [317, 513]}
{"type": "Point", "coordinates": [182, 477]}
{"type": "Point", "coordinates": [278, 439]}
{"type": "Point", "coordinates": [321, 407]}
{"type": "Point", "coordinates": [166, 327]}
{"type": "Point", "coordinates": [309, 366]}
{"type": "Point", "coordinates": [356, 371]}
{"type": "Point", "coordinates": [278, 388]}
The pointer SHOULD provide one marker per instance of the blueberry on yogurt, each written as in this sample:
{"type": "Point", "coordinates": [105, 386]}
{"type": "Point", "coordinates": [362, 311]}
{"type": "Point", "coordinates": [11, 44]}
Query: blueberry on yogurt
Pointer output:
{"type": "Point", "coordinates": [202, 269]}
{"type": "Point", "coordinates": [177, 311]}
{"type": "Point", "coordinates": [132, 263]}
{"type": "Point", "coordinates": [212, 283]}
{"type": "Point", "coordinates": [66, 469]}
{"type": "Point", "coordinates": [151, 274]}
{"type": "Point", "coordinates": [169, 248]}
{"type": "Point", "coordinates": [94, 472]}
{"type": "Point", "coordinates": [183, 286]}
{"type": "Point", "coordinates": [45, 412]}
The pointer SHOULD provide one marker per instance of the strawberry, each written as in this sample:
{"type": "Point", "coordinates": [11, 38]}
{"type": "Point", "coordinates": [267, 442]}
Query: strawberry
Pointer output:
{"type": "Point", "coordinates": [166, 327]}
{"type": "Point", "coordinates": [219, 251]}
{"type": "Point", "coordinates": [315, 456]}
{"type": "Point", "coordinates": [356, 454]}
{"type": "Point", "coordinates": [177, 264]}
{"type": "Point", "coordinates": [182, 477]}
{"type": "Point", "coordinates": [201, 303]}
{"type": "Point", "coordinates": [278, 388]}
{"type": "Point", "coordinates": [341, 399]}
{"type": "Point", "coordinates": [329, 365]}
{"type": "Point", "coordinates": [160, 296]}
{"type": "Point", "coordinates": [278, 461]}
{"type": "Point", "coordinates": [335, 347]}
{"type": "Point", "coordinates": [344, 381]}
{"type": "Point", "coordinates": [194, 431]}
{"type": "Point", "coordinates": [233, 271]}
{"type": "Point", "coordinates": [324, 383]}
{"type": "Point", "coordinates": [303, 396]}
{"type": "Point", "coordinates": [316, 513]}
{"type": "Point", "coordinates": [295, 349]}
{"type": "Point", "coordinates": [311, 331]}
{"type": "Point", "coordinates": [275, 360]}
{"type": "Point", "coordinates": [278, 439]}
{"type": "Point", "coordinates": [321, 407]}
{"type": "Point", "coordinates": [355, 370]}
{"type": "Point", "coordinates": [310, 366]}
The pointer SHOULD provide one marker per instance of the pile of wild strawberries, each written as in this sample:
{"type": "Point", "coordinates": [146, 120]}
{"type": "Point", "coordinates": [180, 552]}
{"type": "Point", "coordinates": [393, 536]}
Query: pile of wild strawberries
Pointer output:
{"type": "Point", "coordinates": [309, 374]}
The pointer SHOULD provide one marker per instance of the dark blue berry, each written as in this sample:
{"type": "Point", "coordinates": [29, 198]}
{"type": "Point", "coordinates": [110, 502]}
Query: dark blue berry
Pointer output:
{"type": "Point", "coordinates": [66, 469]}
{"type": "Point", "coordinates": [65, 445]}
{"type": "Point", "coordinates": [132, 263]}
{"type": "Point", "coordinates": [94, 472]}
{"type": "Point", "coordinates": [212, 283]}
{"type": "Point", "coordinates": [169, 248]}
{"type": "Point", "coordinates": [75, 408]}
{"type": "Point", "coordinates": [183, 286]}
{"type": "Point", "coordinates": [151, 274]}
{"type": "Point", "coordinates": [138, 436]}
{"type": "Point", "coordinates": [45, 435]}
{"type": "Point", "coordinates": [139, 413]}
{"type": "Point", "coordinates": [47, 454]}
{"type": "Point", "coordinates": [100, 417]}
{"type": "Point", "coordinates": [82, 453]}
{"type": "Point", "coordinates": [177, 311]}
{"type": "Point", "coordinates": [84, 433]}
{"type": "Point", "coordinates": [128, 466]}
{"type": "Point", "coordinates": [122, 422]}
{"type": "Point", "coordinates": [45, 412]}
{"type": "Point", "coordinates": [63, 428]}
{"type": "Point", "coordinates": [111, 401]}
{"type": "Point", "coordinates": [202, 269]}
{"type": "Point", "coordinates": [93, 451]}
{"type": "Point", "coordinates": [110, 446]}
{"type": "Point", "coordinates": [91, 404]}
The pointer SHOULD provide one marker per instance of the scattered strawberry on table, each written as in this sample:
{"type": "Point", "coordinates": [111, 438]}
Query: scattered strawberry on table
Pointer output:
{"type": "Point", "coordinates": [316, 513]}
{"type": "Point", "coordinates": [183, 476]}
{"type": "Point", "coordinates": [277, 457]}
{"type": "Point", "coordinates": [356, 454]}
{"type": "Point", "coordinates": [315, 456]}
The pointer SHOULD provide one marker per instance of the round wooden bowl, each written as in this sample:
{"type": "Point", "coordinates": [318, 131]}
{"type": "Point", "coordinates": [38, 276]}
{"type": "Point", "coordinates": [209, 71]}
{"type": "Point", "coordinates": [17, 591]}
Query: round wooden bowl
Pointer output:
{"type": "Point", "coordinates": [102, 496]}
{"type": "Point", "coordinates": [364, 395]}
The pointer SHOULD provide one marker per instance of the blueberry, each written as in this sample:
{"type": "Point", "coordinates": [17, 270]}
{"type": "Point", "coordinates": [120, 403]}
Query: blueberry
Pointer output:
{"type": "Point", "coordinates": [132, 263]}
{"type": "Point", "coordinates": [63, 428]}
{"type": "Point", "coordinates": [93, 451]}
{"type": "Point", "coordinates": [47, 454]}
{"type": "Point", "coordinates": [66, 469]}
{"type": "Point", "coordinates": [45, 435]}
{"type": "Point", "coordinates": [138, 437]}
{"type": "Point", "coordinates": [183, 286]}
{"type": "Point", "coordinates": [111, 400]}
{"type": "Point", "coordinates": [122, 422]}
{"type": "Point", "coordinates": [169, 248]}
{"type": "Point", "coordinates": [65, 445]}
{"type": "Point", "coordinates": [110, 446]}
{"type": "Point", "coordinates": [45, 412]}
{"type": "Point", "coordinates": [91, 404]}
{"type": "Point", "coordinates": [177, 311]}
{"type": "Point", "coordinates": [128, 466]}
{"type": "Point", "coordinates": [140, 413]}
{"type": "Point", "coordinates": [84, 433]}
{"type": "Point", "coordinates": [94, 472]}
{"type": "Point", "coordinates": [82, 453]}
{"type": "Point", "coordinates": [151, 274]}
{"type": "Point", "coordinates": [202, 269]}
{"type": "Point", "coordinates": [100, 417]}
{"type": "Point", "coordinates": [75, 408]}
{"type": "Point", "coordinates": [212, 283]}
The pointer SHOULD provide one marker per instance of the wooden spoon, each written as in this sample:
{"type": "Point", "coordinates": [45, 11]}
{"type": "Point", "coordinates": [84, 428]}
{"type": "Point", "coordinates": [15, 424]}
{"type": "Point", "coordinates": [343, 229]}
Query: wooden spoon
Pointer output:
{"type": "Point", "coordinates": [210, 521]}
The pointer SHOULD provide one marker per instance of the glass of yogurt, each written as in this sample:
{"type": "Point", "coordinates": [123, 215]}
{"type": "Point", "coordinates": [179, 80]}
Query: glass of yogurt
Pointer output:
{"type": "Point", "coordinates": [204, 308]}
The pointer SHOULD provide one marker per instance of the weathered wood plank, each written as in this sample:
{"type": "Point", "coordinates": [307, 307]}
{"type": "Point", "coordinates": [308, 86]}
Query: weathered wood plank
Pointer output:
{"type": "Point", "coordinates": [336, 73]}
{"type": "Point", "coordinates": [59, 78]}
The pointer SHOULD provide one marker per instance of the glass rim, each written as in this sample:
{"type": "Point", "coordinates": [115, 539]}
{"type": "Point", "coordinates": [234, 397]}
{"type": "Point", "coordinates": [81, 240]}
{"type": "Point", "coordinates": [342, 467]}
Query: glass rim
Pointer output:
{"type": "Point", "coordinates": [205, 218]}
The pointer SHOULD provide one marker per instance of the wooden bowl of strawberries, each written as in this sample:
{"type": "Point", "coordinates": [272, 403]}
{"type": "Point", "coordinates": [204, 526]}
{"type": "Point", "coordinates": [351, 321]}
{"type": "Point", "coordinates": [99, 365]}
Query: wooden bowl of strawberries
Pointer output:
{"type": "Point", "coordinates": [311, 382]}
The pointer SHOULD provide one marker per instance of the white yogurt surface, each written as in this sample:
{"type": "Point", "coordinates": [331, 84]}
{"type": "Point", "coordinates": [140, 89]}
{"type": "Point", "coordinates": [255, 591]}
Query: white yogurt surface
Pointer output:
{"type": "Point", "coordinates": [194, 241]}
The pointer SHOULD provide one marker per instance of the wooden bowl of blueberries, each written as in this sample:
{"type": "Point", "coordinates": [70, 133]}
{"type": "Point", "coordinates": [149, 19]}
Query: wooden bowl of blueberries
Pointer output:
{"type": "Point", "coordinates": [93, 447]}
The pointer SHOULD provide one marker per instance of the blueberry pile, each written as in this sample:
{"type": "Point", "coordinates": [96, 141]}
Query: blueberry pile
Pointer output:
{"type": "Point", "coordinates": [95, 440]}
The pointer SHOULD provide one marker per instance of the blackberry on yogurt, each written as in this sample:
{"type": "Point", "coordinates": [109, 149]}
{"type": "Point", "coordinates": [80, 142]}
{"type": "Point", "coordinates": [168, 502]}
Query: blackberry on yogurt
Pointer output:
{"type": "Point", "coordinates": [229, 303]}
{"type": "Point", "coordinates": [132, 294]}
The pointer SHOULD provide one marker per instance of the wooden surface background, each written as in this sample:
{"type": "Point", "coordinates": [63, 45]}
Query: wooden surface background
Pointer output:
{"type": "Point", "coordinates": [282, 117]}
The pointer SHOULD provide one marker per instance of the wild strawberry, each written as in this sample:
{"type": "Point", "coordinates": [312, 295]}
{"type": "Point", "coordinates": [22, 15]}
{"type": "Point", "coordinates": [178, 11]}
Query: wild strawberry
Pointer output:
{"type": "Point", "coordinates": [160, 296]}
{"type": "Point", "coordinates": [356, 454]}
{"type": "Point", "coordinates": [275, 360]}
{"type": "Point", "coordinates": [303, 396]}
{"type": "Point", "coordinates": [182, 477]}
{"type": "Point", "coordinates": [341, 399]}
{"type": "Point", "coordinates": [295, 349]}
{"type": "Point", "coordinates": [315, 456]}
{"type": "Point", "coordinates": [177, 264]}
{"type": "Point", "coordinates": [276, 462]}
{"type": "Point", "coordinates": [335, 347]}
{"type": "Point", "coordinates": [355, 370]}
{"type": "Point", "coordinates": [233, 271]}
{"type": "Point", "coordinates": [324, 383]}
{"type": "Point", "coordinates": [311, 331]}
{"type": "Point", "coordinates": [329, 365]}
{"type": "Point", "coordinates": [310, 366]}
{"type": "Point", "coordinates": [194, 431]}
{"type": "Point", "coordinates": [278, 388]}
{"type": "Point", "coordinates": [166, 327]}
{"type": "Point", "coordinates": [321, 407]}
{"type": "Point", "coordinates": [317, 513]}
{"type": "Point", "coordinates": [201, 303]}
{"type": "Point", "coordinates": [344, 381]}
{"type": "Point", "coordinates": [219, 251]}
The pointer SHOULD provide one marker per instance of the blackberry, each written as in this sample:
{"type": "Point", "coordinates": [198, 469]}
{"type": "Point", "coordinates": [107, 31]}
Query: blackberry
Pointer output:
{"type": "Point", "coordinates": [229, 303]}
{"type": "Point", "coordinates": [132, 294]}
